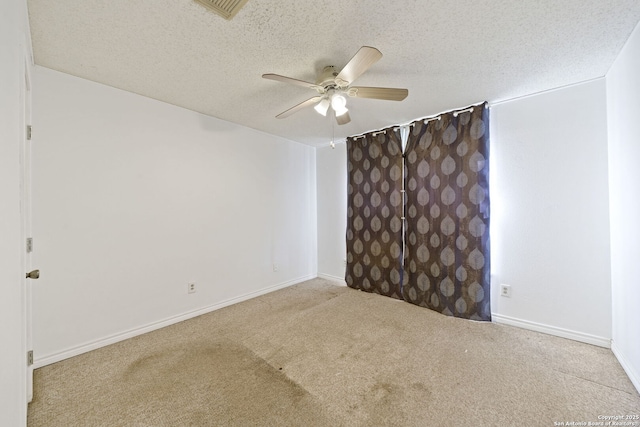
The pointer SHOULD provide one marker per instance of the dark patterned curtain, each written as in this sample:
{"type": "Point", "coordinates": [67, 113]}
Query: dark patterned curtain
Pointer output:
{"type": "Point", "coordinates": [447, 261]}
{"type": "Point", "coordinates": [374, 211]}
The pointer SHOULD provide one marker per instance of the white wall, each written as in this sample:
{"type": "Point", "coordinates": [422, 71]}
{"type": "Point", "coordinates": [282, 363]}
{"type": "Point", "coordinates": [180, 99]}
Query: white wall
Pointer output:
{"type": "Point", "coordinates": [549, 212]}
{"type": "Point", "coordinates": [134, 198]}
{"type": "Point", "coordinates": [549, 223]}
{"type": "Point", "coordinates": [623, 101]}
{"type": "Point", "coordinates": [14, 51]}
{"type": "Point", "coordinates": [332, 211]}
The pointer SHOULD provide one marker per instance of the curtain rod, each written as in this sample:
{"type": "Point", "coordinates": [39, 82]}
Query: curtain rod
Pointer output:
{"type": "Point", "coordinates": [426, 119]}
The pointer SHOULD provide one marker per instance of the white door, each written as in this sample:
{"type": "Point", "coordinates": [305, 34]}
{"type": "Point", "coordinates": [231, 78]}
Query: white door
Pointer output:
{"type": "Point", "coordinates": [25, 207]}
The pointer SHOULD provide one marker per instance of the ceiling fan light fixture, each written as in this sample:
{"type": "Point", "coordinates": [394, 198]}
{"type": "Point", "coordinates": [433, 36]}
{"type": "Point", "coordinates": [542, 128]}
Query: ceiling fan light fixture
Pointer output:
{"type": "Point", "coordinates": [341, 111]}
{"type": "Point", "coordinates": [339, 104]}
{"type": "Point", "coordinates": [322, 106]}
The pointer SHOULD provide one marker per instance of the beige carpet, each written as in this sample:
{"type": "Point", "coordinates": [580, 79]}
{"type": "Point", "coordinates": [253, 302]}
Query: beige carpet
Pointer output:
{"type": "Point", "coordinates": [316, 354]}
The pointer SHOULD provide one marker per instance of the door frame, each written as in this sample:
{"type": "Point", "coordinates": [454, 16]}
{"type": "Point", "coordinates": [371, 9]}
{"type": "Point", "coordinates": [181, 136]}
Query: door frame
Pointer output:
{"type": "Point", "coordinates": [26, 214]}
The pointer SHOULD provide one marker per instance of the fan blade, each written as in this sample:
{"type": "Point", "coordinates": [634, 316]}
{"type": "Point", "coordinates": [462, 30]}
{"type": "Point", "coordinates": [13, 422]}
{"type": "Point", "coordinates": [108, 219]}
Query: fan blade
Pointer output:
{"type": "Point", "coordinates": [386, 93]}
{"type": "Point", "coordinates": [343, 119]}
{"type": "Point", "coordinates": [283, 79]}
{"type": "Point", "coordinates": [300, 106]}
{"type": "Point", "coordinates": [361, 61]}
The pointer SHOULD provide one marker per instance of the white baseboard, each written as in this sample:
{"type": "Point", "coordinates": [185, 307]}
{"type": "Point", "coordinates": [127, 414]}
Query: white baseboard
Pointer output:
{"type": "Point", "coordinates": [552, 330]}
{"type": "Point", "coordinates": [112, 339]}
{"type": "Point", "coordinates": [337, 280]}
{"type": "Point", "coordinates": [633, 375]}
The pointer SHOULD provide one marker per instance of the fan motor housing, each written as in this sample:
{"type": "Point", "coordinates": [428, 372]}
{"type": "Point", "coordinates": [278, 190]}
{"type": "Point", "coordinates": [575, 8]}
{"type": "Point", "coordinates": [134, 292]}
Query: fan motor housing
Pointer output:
{"type": "Point", "coordinates": [328, 76]}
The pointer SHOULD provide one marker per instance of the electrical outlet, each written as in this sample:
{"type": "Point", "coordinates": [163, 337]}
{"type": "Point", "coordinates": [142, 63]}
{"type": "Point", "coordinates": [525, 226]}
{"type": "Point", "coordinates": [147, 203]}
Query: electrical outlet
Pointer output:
{"type": "Point", "coordinates": [275, 267]}
{"type": "Point", "coordinates": [505, 291]}
{"type": "Point", "coordinates": [191, 288]}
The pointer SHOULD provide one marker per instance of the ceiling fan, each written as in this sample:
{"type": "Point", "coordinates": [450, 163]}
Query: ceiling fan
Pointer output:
{"type": "Point", "coordinates": [332, 86]}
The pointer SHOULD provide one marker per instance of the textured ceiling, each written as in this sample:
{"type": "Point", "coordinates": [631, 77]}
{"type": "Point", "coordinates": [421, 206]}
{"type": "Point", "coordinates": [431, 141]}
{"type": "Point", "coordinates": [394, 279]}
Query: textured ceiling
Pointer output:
{"type": "Point", "coordinates": [449, 54]}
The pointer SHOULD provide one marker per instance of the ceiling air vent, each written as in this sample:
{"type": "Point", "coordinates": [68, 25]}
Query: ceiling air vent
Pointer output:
{"type": "Point", "coordinates": [225, 8]}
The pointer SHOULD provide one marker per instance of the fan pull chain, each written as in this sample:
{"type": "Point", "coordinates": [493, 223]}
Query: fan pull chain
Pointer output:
{"type": "Point", "coordinates": [333, 134]}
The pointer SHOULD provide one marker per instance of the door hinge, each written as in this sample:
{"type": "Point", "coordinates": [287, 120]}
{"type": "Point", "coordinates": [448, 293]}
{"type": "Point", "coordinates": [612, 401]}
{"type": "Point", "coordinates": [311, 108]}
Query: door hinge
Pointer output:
{"type": "Point", "coordinates": [28, 132]}
{"type": "Point", "coordinates": [29, 357]}
{"type": "Point", "coordinates": [29, 245]}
